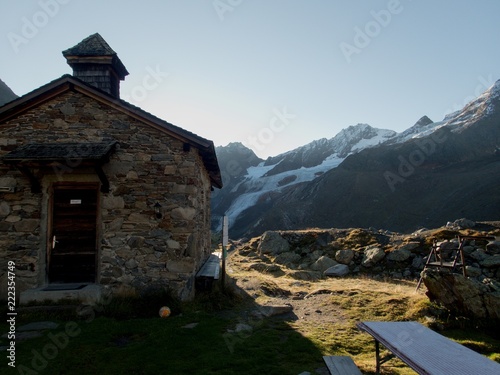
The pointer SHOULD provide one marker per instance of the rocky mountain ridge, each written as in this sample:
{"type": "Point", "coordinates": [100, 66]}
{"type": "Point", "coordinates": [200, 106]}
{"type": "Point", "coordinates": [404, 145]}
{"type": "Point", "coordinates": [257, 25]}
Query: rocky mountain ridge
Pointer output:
{"type": "Point", "coordinates": [6, 94]}
{"type": "Point", "coordinates": [373, 177]}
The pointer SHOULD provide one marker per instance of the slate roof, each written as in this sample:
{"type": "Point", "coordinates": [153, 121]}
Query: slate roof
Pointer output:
{"type": "Point", "coordinates": [98, 151]}
{"type": "Point", "coordinates": [68, 82]}
{"type": "Point", "coordinates": [93, 45]}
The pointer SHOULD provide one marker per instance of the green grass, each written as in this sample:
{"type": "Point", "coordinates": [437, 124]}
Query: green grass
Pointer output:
{"type": "Point", "coordinates": [126, 335]}
{"type": "Point", "coordinates": [163, 346]}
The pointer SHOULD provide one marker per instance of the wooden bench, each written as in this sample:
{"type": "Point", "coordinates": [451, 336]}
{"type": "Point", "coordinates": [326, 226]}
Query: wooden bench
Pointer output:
{"type": "Point", "coordinates": [341, 365]}
{"type": "Point", "coordinates": [209, 272]}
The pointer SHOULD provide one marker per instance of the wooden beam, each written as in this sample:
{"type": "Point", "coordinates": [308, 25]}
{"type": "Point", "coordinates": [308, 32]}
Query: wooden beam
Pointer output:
{"type": "Point", "coordinates": [35, 184]}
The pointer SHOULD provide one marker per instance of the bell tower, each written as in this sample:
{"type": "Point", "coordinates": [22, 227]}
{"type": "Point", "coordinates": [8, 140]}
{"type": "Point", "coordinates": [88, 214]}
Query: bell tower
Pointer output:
{"type": "Point", "coordinates": [94, 62]}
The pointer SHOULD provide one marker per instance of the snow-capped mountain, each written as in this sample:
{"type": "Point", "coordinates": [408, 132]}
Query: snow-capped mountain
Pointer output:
{"type": "Point", "coordinates": [483, 106]}
{"type": "Point", "coordinates": [429, 174]}
{"type": "Point", "coordinates": [261, 180]}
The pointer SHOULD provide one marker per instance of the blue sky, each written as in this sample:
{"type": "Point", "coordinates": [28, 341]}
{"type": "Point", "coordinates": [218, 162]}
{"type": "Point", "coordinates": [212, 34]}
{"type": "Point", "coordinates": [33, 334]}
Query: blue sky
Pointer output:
{"type": "Point", "coordinates": [272, 74]}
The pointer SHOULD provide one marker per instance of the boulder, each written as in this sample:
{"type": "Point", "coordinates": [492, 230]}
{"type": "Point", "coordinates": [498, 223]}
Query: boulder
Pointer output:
{"type": "Point", "coordinates": [418, 263]}
{"type": "Point", "coordinates": [412, 245]}
{"type": "Point", "coordinates": [463, 296]}
{"type": "Point", "coordinates": [344, 256]}
{"type": "Point", "coordinates": [323, 263]}
{"type": "Point", "coordinates": [305, 275]}
{"type": "Point", "coordinates": [461, 224]}
{"type": "Point", "coordinates": [473, 271]}
{"type": "Point", "coordinates": [241, 327]}
{"type": "Point", "coordinates": [338, 270]}
{"type": "Point", "coordinates": [399, 255]}
{"type": "Point", "coordinates": [372, 256]}
{"type": "Point", "coordinates": [491, 262]}
{"type": "Point", "coordinates": [271, 242]}
{"type": "Point", "coordinates": [479, 255]}
{"type": "Point", "coordinates": [288, 258]}
{"type": "Point", "coordinates": [493, 247]}
{"type": "Point", "coordinates": [269, 311]}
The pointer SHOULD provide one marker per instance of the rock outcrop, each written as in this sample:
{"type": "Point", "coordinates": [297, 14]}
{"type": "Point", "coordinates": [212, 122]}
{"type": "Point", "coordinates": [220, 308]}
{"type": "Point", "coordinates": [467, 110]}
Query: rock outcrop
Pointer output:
{"type": "Point", "coordinates": [464, 296]}
{"type": "Point", "coordinates": [312, 254]}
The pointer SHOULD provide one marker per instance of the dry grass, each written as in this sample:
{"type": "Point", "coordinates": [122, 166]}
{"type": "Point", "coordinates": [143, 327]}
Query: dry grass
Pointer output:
{"type": "Point", "coordinates": [326, 311]}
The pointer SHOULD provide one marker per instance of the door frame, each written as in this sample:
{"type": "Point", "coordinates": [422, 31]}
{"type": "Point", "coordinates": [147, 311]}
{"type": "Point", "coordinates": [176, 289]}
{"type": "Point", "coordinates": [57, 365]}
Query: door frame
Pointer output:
{"type": "Point", "coordinates": [73, 185]}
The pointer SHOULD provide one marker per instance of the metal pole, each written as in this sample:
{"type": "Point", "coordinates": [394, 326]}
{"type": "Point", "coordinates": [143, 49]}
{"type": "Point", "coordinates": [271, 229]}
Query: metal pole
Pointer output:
{"type": "Point", "coordinates": [225, 240]}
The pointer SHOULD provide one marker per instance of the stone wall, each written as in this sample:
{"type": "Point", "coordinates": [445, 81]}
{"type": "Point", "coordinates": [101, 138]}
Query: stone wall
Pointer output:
{"type": "Point", "coordinates": [136, 249]}
{"type": "Point", "coordinates": [315, 254]}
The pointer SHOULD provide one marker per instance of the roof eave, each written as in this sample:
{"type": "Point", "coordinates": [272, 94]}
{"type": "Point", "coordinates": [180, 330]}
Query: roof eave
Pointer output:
{"type": "Point", "coordinates": [67, 83]}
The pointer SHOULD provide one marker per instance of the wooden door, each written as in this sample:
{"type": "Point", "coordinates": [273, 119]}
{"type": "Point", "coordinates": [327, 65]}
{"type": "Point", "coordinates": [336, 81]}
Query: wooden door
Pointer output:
{"type": "Point", "coordinates": [73, 239]}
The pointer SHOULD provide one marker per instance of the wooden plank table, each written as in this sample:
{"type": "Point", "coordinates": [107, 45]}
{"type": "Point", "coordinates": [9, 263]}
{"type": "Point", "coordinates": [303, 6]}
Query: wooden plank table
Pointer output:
{"type": "Point", "coordinates": [426, 351]}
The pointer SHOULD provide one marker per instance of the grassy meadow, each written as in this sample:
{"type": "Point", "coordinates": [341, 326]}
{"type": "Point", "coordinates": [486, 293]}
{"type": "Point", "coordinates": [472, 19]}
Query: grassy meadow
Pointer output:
{"type": "Point", "coordinates": [221, 332]}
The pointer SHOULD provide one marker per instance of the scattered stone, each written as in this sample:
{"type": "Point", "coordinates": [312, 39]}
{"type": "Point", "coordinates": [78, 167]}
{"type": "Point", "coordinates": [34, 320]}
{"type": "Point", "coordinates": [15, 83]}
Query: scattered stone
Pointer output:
{"type": "Point", "coordinates": [491, 262]}
{"type": "Point", "coordinates": [190, 325]}
{"type": "Point", "coordinates": [372, 256]}
{"type": "Point", "coordinates": [269, 311]}
{"type": "Point", "coordinates": [399, 255]}
{"type": "Point", "coordinates": [461, 224]}
{"type": "Point", "coordinates": [272, 243]}
{"type": "Point", "coordinates": [467, 249]}
{"type": "Point", "coordinates": [344, 256]}
{"type": "Point", "coordinates": [410, 246]}
{"type": "Point", "coordinates": [337, 270]}
{"type": "Point", "coordinates": [473, 271]}
{"type": "Point", "coordinates": [448, 245]}
{"type": "Point", "coordinates": [418, 263]}
{"type": "Point", "coordinates": [305, 275]}
{"type": "Point", "coordinates": [479, 255]}
{"type": "Point", "coordinates": [241, 327]}
{"type": "Point", "coordinates": [288, 258]}
{"type": "Point", "coordinates": [323, 263]}
{"type": "Point", "coordinates": [493, 247]}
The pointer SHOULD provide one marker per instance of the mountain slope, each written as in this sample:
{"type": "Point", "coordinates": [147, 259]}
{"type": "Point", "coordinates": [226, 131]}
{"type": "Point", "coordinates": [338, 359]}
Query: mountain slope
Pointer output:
{"type": "Point", "coordinates": [445, 171]}
{"type": "Point", "coordinates": [253, 181]}
{"type": "Point", "coordinates": [6, 94]}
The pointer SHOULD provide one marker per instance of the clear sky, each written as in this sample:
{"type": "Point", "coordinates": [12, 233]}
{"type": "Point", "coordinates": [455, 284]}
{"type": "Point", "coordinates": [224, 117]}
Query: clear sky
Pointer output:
{"type": "Point", "coordinates": [272, 74]}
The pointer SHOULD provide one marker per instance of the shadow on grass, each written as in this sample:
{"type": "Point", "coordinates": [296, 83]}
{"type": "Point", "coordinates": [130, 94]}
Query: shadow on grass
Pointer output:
{"type": "Point", "coordinates": [221, 332]}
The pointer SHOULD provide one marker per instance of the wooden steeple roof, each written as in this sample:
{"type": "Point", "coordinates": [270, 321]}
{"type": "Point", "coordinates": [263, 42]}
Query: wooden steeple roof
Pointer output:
{"type": "Point", "coordinates": [94, 62]}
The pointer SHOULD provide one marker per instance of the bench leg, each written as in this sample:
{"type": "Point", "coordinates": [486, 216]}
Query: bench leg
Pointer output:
{"type": "Point", "coordinates": [377, 357]}
{"type": "Point", "coordinates": [380, 360]}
